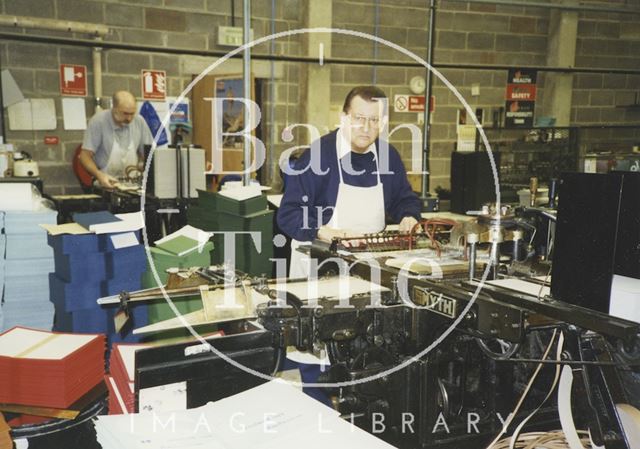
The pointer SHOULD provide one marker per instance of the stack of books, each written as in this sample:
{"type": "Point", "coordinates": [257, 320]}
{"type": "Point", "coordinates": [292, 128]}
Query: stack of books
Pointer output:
{"type": "Point", "coordinates": [120, 381]}
{"type": "Point", "coordinates": [234, 213]}
{"type": "Point", "coordinates": [89, 266]}
{"type": "Point", "coordinates": [3, 243]}
{"type": "Point", "coordinates": [27, 264]}
{"type": "Point", "coordinates": [46, 369]}
{"type": "Point", "coordinates": [186, 248]}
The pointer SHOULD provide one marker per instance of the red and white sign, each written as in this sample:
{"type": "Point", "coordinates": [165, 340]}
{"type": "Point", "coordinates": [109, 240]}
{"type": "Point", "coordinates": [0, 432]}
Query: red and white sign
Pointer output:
{"type": "Point", "coordinates": [521, 92]}
{"type": "Point", "coordinates": [51, 140]}
{"type": "Point", "coordinates": [73, 79]}
{"type": "Point", "coordinates": [412, 103]}
{"type": "Point", "coordinates": [154, 84]}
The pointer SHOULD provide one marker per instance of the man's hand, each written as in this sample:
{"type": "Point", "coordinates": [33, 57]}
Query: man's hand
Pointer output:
{"type": "Point", "coordinates": [407, 224]}
{"type": "Point", "coordinates": [106, 181]}
{"type": "Point", "coordinates": [327, 234]}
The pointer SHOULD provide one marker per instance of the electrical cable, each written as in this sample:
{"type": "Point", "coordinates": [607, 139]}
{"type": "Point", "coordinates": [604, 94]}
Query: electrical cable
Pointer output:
{"type": "Point", "coordinates": [543, 440]}
{"type": "Point", "coordinates": [516, 433]}
{"type": "Point", "coordinates": [524, 393]}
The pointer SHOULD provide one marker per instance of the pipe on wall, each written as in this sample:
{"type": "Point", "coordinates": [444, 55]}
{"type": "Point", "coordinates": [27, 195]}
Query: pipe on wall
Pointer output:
{"type": "Point", "coordinates": [109, 45]}
{"type": "Point", "coordinates": [53, 24]}
{"type": "Point", "coordinates": [424, 192]}
{"type": "Point", "coordinates": [246, 72]}
{"type": "Point", "coordinates": [562, 6]}
{"type": "Point", "coordinates": [96, 55]}
{"type": "Point", "coordinates": [98, 31]}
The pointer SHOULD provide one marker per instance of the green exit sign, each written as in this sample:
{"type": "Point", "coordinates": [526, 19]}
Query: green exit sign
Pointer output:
{"type": "Point", "coordinates": [232, 36]}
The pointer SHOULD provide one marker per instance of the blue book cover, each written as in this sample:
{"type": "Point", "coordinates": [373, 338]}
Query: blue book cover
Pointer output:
{"type": "Point", "coordinates": [72, 244]}
{"type": "Point", "coordinates": [81, 267]}
{"type": "Point", "coordinates": [86, 219]}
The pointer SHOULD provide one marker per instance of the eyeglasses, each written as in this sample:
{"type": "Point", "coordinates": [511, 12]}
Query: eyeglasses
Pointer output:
{"type": "Point", "coordinates": [361, 120]}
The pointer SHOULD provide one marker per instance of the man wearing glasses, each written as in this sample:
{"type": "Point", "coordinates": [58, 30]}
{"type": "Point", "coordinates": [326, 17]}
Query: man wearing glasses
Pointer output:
{"type": "Point", "coordinates": [346, 191]}
{"type": "Point", "coordinates": [114, 140]}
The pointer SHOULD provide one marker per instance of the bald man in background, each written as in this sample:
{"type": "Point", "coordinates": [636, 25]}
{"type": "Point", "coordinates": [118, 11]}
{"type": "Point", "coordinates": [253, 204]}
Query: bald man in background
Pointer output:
{"type": "Point", "coordinates": [114, 140]}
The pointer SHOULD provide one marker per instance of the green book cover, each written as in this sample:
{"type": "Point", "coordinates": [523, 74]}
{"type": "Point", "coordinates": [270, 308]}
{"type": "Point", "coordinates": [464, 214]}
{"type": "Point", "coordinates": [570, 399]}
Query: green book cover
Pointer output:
{"type": "Point", "coordinates": [179, 245]}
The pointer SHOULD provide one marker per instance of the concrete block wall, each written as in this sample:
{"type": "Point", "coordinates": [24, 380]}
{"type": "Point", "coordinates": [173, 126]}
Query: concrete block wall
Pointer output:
{"type": "Point", "coordinates": [465, 33]}
{"type": "Point", "coordinates": [188, 24]}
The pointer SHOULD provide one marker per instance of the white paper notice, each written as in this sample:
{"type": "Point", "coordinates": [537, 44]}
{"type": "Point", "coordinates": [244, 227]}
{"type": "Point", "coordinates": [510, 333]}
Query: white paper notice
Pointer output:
{"type": "Point", "coordinates": [11, 93]}
{"type": "Point", "coordinates": [32, 115]}
{"type": "Point", "coordinates": [74, 114]}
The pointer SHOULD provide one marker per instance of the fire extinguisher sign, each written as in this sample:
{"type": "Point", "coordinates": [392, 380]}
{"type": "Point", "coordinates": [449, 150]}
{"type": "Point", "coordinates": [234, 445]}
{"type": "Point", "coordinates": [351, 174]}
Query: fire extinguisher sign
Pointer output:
{"type": "Point", "coordinates": [154, 84]}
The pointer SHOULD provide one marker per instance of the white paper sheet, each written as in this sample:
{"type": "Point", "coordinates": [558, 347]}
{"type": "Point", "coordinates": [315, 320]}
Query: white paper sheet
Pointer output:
{"type": "Point", "coordinates": [115, 389]}
{"type": "Point", "coordinates": [16, 196]}
{"type": "Point", "coordinates": [32, 115]}
{"type": "Point", "coordinates": [200, 236]}
{"type": "Point", "coordinates": [52, 346]}
{"type": "Point", "coordinates": [249, 419]}
{"type": "Point", "coordinates": [124, 240]}
{"type": "Point", "coordinates": [128, 355]}
{"type": "Point", "coordinates": [275, 199]}
{"type": "Point", "coordinates": [163, 398]}
{"type": "Point", "coordinates": [129, 222]}
{"type": "Point", "coordinates": [522, 286]}
{"type": "Point", "coordinates": [625, 298]}
{"type": "Point", "coordinates": [341, 287]}
{"type": "Point", "coordinates": [74, 114]}
{"type": "Point", "coordinates": [241, 193]}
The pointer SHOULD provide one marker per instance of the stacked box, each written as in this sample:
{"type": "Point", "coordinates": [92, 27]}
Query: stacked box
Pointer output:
{"type": "Point", "coordinates": [217, 213]}
{"type": "Point", "coordinates": [27, 262]}
{"type": "Point", "coordinates": [3, 242]}
{"type": "Point", "coordinates": [88, 267]}
{"type": "Point", "coordinates": [162, 260]}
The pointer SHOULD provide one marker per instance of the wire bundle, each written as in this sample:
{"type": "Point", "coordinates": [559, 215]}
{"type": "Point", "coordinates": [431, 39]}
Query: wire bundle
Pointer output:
{"type": "Point", "coordinates": [542, 440]}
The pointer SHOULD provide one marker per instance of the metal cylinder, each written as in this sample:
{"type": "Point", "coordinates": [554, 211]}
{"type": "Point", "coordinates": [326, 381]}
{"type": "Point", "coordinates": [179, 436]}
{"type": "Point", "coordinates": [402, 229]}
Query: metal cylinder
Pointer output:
{"type": "Point", "coordinates": [533, 189]}
{"type": "Point", "coordinates": [517, 236]}
{"type": "Point", "coordinates": [553, 187]}
{"type": "Point", "coordinates": [472, 240]}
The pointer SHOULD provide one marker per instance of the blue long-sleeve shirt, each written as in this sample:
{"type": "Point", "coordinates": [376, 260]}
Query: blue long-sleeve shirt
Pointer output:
{"type": "Point", "coordinates": [309, 197]}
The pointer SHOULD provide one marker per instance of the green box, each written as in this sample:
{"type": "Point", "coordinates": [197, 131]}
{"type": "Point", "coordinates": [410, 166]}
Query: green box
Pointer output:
{"type": "Point", "coordinates": [217, 202]}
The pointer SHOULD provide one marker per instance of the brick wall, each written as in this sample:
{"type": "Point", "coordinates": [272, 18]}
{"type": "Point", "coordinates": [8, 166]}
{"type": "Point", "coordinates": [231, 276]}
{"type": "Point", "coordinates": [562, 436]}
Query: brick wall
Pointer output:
{"type": "Point", "coordinates": [465, 33]}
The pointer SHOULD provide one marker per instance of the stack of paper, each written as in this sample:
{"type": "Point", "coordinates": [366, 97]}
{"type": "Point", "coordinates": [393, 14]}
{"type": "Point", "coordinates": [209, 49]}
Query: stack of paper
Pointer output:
{"type": "Point", "coordinates": [46, 369]}
{"type": "Point", "coordinates": [89, 265]}
{"type": "Point", "coordinates": [17, 196]}
{"type": "Point", "coordinates": [26, 267]}
{"type": "Point", "coordinates": [120, 382]}
{"type": "Point", "coordinates": [271, 416]}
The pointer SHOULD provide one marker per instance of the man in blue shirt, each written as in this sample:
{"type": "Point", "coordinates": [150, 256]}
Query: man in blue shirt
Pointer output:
{"type": "Point", "coordinates": [326, 199]}
{"type": "Point", "coordinates": [114, 140]}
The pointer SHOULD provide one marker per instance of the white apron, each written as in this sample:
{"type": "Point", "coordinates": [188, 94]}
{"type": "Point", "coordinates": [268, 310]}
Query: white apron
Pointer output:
{"type": "Point", "coordinates": [357, 208]}
{"type": "Point", "coordinates": [120, 158]}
